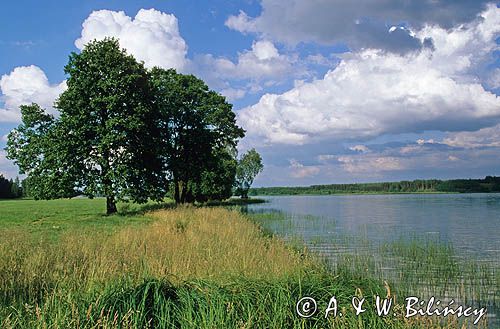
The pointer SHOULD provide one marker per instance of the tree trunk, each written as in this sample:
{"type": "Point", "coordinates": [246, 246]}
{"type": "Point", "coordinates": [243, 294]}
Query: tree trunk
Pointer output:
{"type": "Point", "coordinates": [110, 205]}
{"type": "Point", "coordinates": [182, 187]}
{"type": "Point", "coordinates": [189, 196]}
{"type": "Point", "coordinates": [244, 194]}
{"type": "Point", "coordinates": [176, 191]}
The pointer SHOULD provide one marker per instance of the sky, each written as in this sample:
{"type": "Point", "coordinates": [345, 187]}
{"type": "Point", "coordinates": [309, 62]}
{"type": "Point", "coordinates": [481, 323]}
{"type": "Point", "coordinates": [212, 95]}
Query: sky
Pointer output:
{"type": "Point", "coordinates": [328, 91]}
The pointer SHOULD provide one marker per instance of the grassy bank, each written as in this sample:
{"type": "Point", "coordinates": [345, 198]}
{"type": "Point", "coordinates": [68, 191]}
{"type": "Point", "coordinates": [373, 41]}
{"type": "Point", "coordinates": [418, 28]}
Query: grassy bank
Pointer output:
{"type": "Point", "coordinates": [64, 265]}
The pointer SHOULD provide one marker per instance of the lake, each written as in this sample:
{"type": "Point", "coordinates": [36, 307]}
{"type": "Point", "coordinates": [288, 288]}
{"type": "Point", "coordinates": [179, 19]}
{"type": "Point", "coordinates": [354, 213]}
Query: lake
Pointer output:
{"type": "Point", "coordinates": [443, 245]}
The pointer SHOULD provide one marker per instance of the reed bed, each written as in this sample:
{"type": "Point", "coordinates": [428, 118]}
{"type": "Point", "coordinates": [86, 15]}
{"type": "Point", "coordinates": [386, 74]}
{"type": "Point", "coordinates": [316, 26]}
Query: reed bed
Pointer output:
{"type": "Point", "coordinates": [412, 265]}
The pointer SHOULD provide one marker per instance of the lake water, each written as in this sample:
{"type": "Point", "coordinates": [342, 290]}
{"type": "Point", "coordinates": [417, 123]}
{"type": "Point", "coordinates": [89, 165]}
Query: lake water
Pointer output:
{"type": "Point", "coordinates": [412, 237]}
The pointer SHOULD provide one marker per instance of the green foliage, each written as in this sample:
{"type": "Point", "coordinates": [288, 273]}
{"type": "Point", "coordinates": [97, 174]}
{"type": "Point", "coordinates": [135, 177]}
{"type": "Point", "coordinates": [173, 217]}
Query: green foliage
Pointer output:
{"type": "Point", "coordinates": [101, 144]}
{"type": "Point", "coordinates": [36, 147]}
{"type": "Point", "coordinates": [200, 135]}
{"type": "Point", "coordinates": [128, 134]}
{"type": "Point", "coordinates": [10, 189]}
{"type": "Point", "coordinates": [249, 166]}
{"type": "Point", "coordinates": [487, 185]}
{"type": "Point", "coordinates": [107, 114]}
{"type": "Point", "coordinates": [217, 178]}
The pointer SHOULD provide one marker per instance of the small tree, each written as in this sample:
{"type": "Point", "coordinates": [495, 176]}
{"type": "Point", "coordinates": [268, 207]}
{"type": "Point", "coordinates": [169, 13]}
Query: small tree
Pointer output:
{"type": "Point", "coordinates": [15, 188]}
{"type": "Point", "coordinates": [249, 166]}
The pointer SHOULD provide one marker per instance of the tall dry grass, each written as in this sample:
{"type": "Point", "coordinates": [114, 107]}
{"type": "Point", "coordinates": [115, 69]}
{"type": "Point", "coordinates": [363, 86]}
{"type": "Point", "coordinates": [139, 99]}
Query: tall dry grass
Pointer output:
{"type": "Point", "coordinates": [189, 268]}
{"type": "Point", "coordinates": [181, 244]}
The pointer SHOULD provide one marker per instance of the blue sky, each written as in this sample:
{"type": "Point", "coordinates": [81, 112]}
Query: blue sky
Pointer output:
{"type": "Point", "coordinates": [328, 91]}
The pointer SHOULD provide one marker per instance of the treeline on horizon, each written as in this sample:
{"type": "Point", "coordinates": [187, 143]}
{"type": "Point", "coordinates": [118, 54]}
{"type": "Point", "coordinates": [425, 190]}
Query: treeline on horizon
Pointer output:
{"type": "Point", "coordinates": [9, 188]}
{"type": "Point", "coordinates": [489, 184]}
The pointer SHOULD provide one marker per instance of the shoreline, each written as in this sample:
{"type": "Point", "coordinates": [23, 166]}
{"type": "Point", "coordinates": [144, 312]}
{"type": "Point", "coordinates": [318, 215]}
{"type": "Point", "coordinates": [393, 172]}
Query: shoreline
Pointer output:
{"type": "Point", "coordinates": [364, 193]}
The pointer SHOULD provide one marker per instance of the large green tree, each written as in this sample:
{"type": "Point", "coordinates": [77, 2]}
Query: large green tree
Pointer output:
{"type": "Point", "coordinates": [199, 136]}
{"type": "Point", "coordinates": [249, 166]}
{"type": "Point", "coordinates": [105, 140]}
{"type": "Point", "coordinates": [128, 134]}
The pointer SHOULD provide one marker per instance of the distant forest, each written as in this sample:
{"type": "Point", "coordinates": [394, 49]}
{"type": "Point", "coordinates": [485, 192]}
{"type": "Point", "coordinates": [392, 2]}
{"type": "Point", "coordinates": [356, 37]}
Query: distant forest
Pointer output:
{"type": "Point", "coordinates": [486, 185]}
{"type": "Point", "coordinates": [10, 189]}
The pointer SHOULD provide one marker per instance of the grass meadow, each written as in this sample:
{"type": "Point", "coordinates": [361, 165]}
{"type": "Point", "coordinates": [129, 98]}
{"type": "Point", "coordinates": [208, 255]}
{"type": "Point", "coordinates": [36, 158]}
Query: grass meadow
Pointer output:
{"type": "Point", "coordinates": [65, 265]}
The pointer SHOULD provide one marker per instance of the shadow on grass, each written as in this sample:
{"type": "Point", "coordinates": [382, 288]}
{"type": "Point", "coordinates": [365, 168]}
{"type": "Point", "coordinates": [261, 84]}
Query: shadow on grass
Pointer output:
{"type": "Point", "coordinates": [232, 202]}
{"type": "Point", "coordinates": [128, 209]}
{"type": "Point", "coordinates": [241, 302]}
{"type": "Point", "coordinates": [151, 303]}
{"type": "Point", "coordinates": [133, 209]}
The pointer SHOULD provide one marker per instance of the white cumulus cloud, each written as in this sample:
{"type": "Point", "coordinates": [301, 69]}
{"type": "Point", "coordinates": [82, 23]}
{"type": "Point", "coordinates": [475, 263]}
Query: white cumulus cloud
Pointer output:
{"type": "Point", "coordinates": [372, 92]}
{"type": "Point", "coordinates": [26, 85]}
{"type": "Point", "coordinates": [151, 36]}
{"type": "Point", "coordinates": [262, 62]}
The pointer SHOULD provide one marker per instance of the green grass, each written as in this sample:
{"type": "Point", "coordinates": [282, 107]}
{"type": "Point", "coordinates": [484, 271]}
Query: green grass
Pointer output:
{"type": "Point", "coordinates": [49, 219]}
{"type": "Point", "coordinates": [65, 265]}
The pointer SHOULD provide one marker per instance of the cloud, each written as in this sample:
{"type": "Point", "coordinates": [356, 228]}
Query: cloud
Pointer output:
{"type": "Point", "coordinates": [233, 94]}
{"type": "Point", "coordinates": [411, 149]}
{"type": "Point", "coordinates": [325, 157]}
{"type": "Point", "coordinates": [319, 59]}
{"type": "Point", "coordinates": [429, 160]}
{"type": "Point", "coordinates": [372, 92]}
{"type": "Point", "coordinates": [369, 164]}
{"type": "Point", "coordinates": [422, 141]}
{"type": "Point", "coordinates": [420, 146]}
{"type": "Point", "coordinates": [486, 137]}
{"type": "Point", "coordinates": [152, 36]}
{"type": "Point", "coordinates": [242, 22]}
{"type": "Point", "coordinates": [359, 148]}
{"type": "Point", "coordinates": [360, 24]}
{"type": "Point", "coordinates": [25, 44]}
{"type": "Point", "coordinates": [494, 79]}
{"type": "Point", "coordinates": [298, 170]}
{"type": "Point", "coordinates": [262, 62]}
{"type": "Point", "coordinates": [335, 163]}
{"type": "Point", "coordinates": [7, 167]}
{"type": "Point", "coordinates": [26, 85]}
{"type": "Point", "coordinates": [9, 115]}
